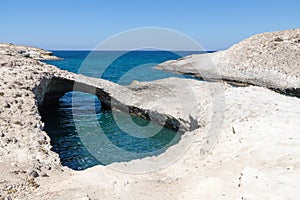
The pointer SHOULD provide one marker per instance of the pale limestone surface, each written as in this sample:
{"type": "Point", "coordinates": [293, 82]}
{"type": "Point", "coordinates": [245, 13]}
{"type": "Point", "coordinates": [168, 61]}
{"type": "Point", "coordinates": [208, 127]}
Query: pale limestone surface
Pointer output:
{"type": "Point", "coordinates": [253, 152]}
{"type": "Point", "coordinates": [270, 60]}
{"type": "Point", "coordinates": [25, 51]}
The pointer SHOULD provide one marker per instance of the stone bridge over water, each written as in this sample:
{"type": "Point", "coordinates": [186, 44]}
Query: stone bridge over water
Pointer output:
{"type": "Point", "coordinates": [149, 100]}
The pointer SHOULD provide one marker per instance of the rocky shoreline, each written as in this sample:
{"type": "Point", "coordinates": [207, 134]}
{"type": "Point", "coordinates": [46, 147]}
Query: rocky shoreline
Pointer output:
{"type": "Point", "coordinates": [25, 51]}
{"type": "Point", "coordinates": [270, 60]}
{"type": "Point", "coordinates": [254, 155]}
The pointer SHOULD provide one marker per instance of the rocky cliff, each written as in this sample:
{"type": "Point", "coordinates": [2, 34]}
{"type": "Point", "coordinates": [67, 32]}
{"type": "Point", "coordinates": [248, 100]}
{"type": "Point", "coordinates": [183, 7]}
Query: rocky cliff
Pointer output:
{"type": "Point", "coordinates": [238, 142]}
{"type": "Point", "coordinates": [29, 52]}
{"type": "Point", "coordinates": [270, 60]}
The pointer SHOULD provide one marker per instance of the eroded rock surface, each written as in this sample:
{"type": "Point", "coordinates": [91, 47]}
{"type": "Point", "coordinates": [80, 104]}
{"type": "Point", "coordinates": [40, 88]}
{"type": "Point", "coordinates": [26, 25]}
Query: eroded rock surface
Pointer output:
{"type": "Point", "coordinates": [25, 51]}
{"type": "Point", "coordinates": [237, 140]}
{"type": "Point", "coordinates": [270, 60]}
{"type": "Point", "coordinates": [26, 85]}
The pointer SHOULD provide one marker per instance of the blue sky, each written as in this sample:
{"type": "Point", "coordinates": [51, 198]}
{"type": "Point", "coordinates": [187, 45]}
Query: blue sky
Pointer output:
{"type": "Point", "coordinates": [74, 24]}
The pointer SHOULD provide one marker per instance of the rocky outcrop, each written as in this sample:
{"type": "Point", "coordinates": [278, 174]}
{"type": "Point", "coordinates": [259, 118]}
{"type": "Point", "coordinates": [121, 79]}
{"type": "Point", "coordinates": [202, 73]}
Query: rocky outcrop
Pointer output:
{"type": "Point", "coordinates": [29, 52]}
{"type": "Point", "coordinates": [143, 99]}
{"type": "Point", "coordinates": [236, 140]}
{"type": "Point", "coordinates": [270, 60]}
{"type": "Point", "coordinates": [26, 85]}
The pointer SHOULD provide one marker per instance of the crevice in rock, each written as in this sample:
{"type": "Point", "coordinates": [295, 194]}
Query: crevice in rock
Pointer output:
{"type": "Point", "coordinates": [294, 92]}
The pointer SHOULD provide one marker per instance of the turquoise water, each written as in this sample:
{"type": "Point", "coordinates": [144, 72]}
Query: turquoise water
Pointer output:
{"type": "Point", "coordinates": [84, 134]}
{"type": "Point", "coordinates": [119, 67]}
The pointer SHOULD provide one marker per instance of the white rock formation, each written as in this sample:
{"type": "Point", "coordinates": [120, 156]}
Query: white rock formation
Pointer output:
{"type": "Point", "coordinates": [270, 60]}
{"type": "Point", "coordinates": [30, 52]}
{"type": "Point", "coordinates": [242, 143]}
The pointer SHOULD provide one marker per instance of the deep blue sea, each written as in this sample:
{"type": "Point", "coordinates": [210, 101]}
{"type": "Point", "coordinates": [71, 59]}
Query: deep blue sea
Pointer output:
{"type": "Point", "coordinates": [83, 134]}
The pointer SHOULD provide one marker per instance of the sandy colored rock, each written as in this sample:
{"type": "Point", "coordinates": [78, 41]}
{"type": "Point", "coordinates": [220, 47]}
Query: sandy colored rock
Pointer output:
{"type": "Point", "coordinates": [25, 51]}
{"type": "Point", "coordinates": [239, 142]}
{"type": "Point", "coordinates": [270, 60]}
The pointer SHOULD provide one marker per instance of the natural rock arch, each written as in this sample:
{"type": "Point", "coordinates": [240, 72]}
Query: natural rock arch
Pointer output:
{"type": "Point", "coordinates": [50, 90]}
{"type": "Point", "coordinates": [111, 95]}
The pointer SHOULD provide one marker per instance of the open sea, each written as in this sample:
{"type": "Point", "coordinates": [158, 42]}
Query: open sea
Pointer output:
{"type": "Point", "coordinates": [83, 134]}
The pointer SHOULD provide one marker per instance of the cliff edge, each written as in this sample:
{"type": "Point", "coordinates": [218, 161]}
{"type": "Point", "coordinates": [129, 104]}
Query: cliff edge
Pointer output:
{"type": "Point", "coordinates": [269, 60]}
{"type": "Point", "coordinates": [29, 52]}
